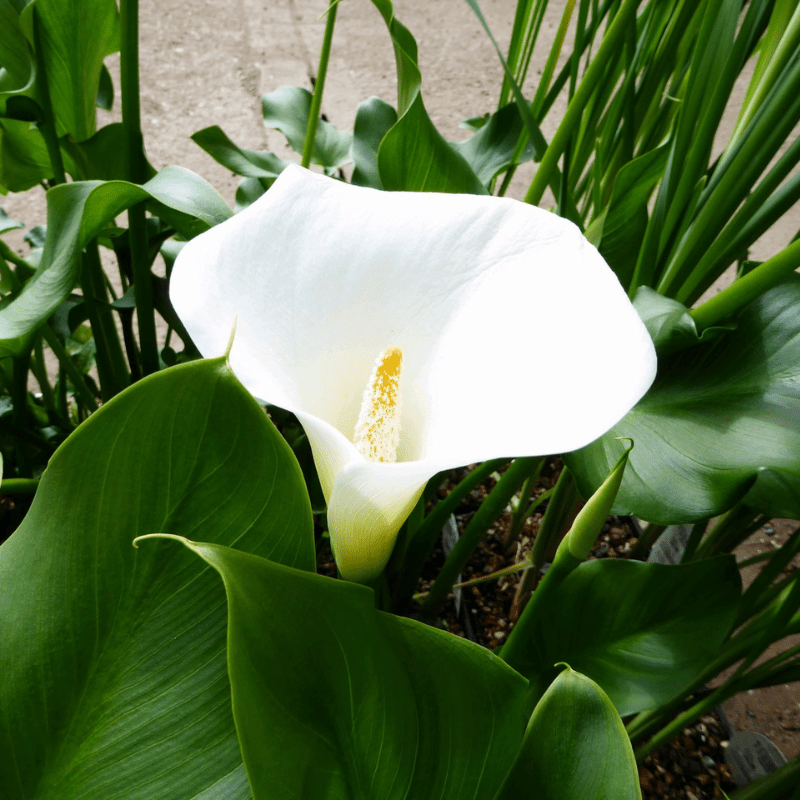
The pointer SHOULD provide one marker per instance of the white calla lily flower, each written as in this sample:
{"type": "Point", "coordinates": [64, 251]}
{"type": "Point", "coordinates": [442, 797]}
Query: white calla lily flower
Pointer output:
{"type": "Point", "coordinates": [411, 333]}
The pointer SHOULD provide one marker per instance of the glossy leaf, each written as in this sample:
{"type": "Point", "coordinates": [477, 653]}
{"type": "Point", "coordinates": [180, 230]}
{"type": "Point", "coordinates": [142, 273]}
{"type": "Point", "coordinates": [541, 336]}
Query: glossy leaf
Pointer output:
{"type": "Point", "coordinates": [15, 53]}
{"type": "Point", "coordinates": [24, 161]}
{"type": "Point", "coordinates": [75, 37]}
{"type": "Point", "coordinates": [413, 155]}
{"type": "Point", "coordinates": [624, 219]}
{"type": "Point", "coordinates": [102, 157]}
{"type": "Point", "coordinates": [77, 212]}
{"type": "Point", "coordinates": [575, 748]}
{"type": "Point", "coordinates": [287, 109]}
{"type": "Point", "coordinates": [118, 681]}
{"type": "Point", "coordinates": [491, 149]}
{"type": "Point", "coordinates": [636, 629]}
{"type": "Point", "coordinates": [669, 322]}
{"type": "Point", "coordinates": [249, 163]}
{"type": "Point", "coordinates": [335, 699]}
{"type": "Point", "coordinates": [374, 119]}
{"type": "Point", "coordinates": [720, 424]}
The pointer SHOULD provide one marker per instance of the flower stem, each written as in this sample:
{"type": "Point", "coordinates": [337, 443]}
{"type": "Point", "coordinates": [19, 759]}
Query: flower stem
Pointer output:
{"type": "Point", "coordinates": [111, 367]}
{"type": "Point", "coordinates": [489, 511]}
{"type": "Point", "coordinates": [748, 287]}
{"type": "Point", "coordinates": [319, 86]}
{"type": "Point", "coordinates": [19, 486]}
{"type": "Point", "coordinates": [137, 167]}
{"type": "Point", "coordinates": [78, 383]}
{"type": "Point", "coordinates": [424, 538]}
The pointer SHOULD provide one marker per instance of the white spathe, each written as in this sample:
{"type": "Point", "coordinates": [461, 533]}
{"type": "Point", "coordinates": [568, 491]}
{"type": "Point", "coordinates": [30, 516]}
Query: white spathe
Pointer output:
{"type": "Point", "coordinates": [517, 338]}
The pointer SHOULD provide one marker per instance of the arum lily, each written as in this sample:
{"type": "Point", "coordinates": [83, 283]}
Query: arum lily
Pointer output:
{"type": "Point", "coordinates": [411, 333]}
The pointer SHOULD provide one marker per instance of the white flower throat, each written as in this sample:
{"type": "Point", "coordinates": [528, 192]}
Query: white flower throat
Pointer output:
{"type": "Point", "coordinates": [377, 433]}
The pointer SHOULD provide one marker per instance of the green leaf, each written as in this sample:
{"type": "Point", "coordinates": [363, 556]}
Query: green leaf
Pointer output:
{"type": "Point", "coordinates": [636, 629]}
{"type": "Point", "coordinates": [335, 699]}
{"type": "Point", "coordinates": [287, 109]}
{"type": "Point", "coordinates": [669, 322]}
{"type": "Point", "coordinates": [8, 224]}
{"type": "Point", "coordinates": [249, 163]}
{"type": "Point", "coordinates": [575, 747]}
{"type": "Point", "coordinates": [720, 424]}
{"type": "Point", "coordinates": [123, 688]}
{"type": "Point", "coordinates": [413, 155]}
{"type": "Point", "coordinates": [75, 38]}
{"type": "Point", "coordinates": [374, 118]}
{"type": "Point", "coordinates": [625, 217]}
{"type": "Point", "coordinates": [16, 58]}
{"type": "Point", "coordinates": [77, 212]}
{"type": "Point", "coordinates": [491, 149]}
{"type": "Point", "coordinates": [24, 161]}
{"type": "Point", "coordinates": [103, 157]}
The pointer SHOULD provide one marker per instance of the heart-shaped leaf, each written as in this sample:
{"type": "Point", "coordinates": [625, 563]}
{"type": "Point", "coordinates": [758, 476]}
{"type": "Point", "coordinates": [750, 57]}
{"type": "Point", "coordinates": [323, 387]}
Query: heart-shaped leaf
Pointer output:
{"type": "Point", "coordinates": [114, 679]}
{"type": "Point", "coordinates": [720, 424]}
{"type": "Point", "coordinates": [335, 699]}
{"type": "Point", "coordinates": [636, 629]}
{"type": "Point", "coordinates": [413, 155]}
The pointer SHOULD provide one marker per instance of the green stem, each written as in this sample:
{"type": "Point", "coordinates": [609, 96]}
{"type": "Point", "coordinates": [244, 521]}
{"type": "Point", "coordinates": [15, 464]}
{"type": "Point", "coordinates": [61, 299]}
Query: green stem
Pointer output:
{"type": "Point", "coordinates": [490, 510]}
{"type": "Point", "coordinates": [423, 539]}
{"type": "Point", "coordinates": [137, 166]}
{"type": "Point", "coordinates": [40, 372]}
{"type": "Point", "coordinates": [521, 512]}
{"type": "Point", "coordinates": [695, 537]}
{"type": "Point", "coordinates": [670, 731]}
{"type": "Point", "coordinates": [47, 125]}
{"type": "Point", "coordinates": [775, 786]}
{"type": "Point", "coordinates": [516, 651]}
{"type": "Point", "coordinates": [18, 486]}
{"type": "Point", "coordinates": [19, 394]}
{"type": "Point", "coordinates": [79, 384]}
{"type": "Point", "coordinates": [645, 542]}
{"type": "Point", "coordinates": [545, 495]}
{"type": "Point", "coordinates": [608, 50]}
{"type": "Point", "coordinates": [747, 288]}
{"type": "Point", "coordinates": [319, 86]}
{"type": "Point", "coordinates": [732, 528]}
{"type": "Point", "coordinates": [110, 359]}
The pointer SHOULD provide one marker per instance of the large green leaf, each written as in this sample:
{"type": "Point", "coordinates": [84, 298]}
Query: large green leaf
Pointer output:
{"type": "Point", "coordinates": [720, 424]}
{"type": "Point", "coordinates": [413, 155]}
{"type": "Point", "coordinates": [575, 748]}
{"type": "Point", "coordinates": [113, 680]}
{"type": "Point", "coordinates": [333, 699]}
{"type": "Point", "coordinates": [74, 38]}
{"type": "Point", "coordinates": [76, 213]}
{"type": "Point", "coordinates": [636, 629]}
